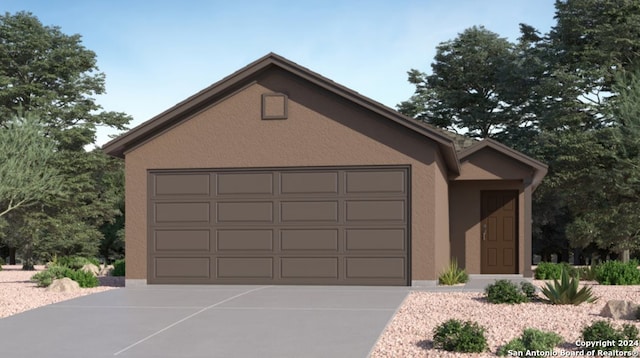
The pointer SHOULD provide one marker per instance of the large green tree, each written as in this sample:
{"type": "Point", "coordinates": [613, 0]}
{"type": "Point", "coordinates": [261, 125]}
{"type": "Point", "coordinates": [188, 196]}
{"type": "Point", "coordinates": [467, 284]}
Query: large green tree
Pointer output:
{"type": "Point", "coordinates": [562, 103]}
{"type": "Point", "coordinates": [470, 86]}
{"type": "Point", "coordinates": [51, 74]}
{"type": "Point", "coordinates": [27, 173]}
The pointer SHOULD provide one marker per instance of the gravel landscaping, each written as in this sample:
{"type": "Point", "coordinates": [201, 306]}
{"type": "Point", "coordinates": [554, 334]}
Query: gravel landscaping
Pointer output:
{"type": "Point", "coordinates": [410, 332]}
{"type": "Point", "coordinates": [19, 294]}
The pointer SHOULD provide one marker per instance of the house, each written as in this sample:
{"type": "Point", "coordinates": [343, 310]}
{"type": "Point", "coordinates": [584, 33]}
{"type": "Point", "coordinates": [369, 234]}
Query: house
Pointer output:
{"type": "Point", "coordinates": [278, 175]}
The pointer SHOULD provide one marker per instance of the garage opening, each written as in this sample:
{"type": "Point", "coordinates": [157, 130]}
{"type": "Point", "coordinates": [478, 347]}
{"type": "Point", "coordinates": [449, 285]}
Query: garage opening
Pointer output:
{"type": "Point", "coordinates": [316, 226]}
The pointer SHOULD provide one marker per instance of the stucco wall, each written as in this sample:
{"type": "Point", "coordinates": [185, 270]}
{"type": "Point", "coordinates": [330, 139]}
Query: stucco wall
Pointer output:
{"type": "Point", "coordinates": [322, 129]}
{"type": "Point", "coordinates": [465, 220]}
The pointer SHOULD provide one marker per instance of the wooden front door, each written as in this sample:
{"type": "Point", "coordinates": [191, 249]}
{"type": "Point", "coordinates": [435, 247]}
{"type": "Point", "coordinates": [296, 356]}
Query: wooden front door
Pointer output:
{"type": "Point", "coordinates": [499, 228]}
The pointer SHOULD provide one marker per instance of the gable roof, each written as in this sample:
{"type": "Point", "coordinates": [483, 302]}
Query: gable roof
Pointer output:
{"type": "Point", "coordinates": [183, 110]}
{"type": "Point", "coordinates": [539, 168]}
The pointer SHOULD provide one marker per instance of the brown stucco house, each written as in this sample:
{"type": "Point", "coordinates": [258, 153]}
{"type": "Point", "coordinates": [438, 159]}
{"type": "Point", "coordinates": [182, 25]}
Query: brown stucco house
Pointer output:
{"type": "Point", "coordinates": [278, 175]}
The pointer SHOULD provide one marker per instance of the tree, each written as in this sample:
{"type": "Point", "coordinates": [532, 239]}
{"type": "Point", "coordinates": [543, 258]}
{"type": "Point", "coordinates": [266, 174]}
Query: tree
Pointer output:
{"type": "Point", "coordinates": [51, 74]}
{"type": "Point", "coordinates": [27, 175]}
{"type": "Point", "coordinates": [471, 85]}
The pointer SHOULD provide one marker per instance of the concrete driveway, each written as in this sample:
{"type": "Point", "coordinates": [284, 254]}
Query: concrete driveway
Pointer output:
{"type": "Point", "coordinates": [206, 321]}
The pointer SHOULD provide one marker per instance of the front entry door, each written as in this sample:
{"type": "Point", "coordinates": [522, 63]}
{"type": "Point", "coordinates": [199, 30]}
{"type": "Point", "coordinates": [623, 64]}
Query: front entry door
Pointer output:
{"type": "Point", "coordinates": [499, 232]}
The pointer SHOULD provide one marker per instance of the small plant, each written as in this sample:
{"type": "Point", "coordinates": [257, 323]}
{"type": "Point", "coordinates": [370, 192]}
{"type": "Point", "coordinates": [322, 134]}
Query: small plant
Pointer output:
{"type": "Point", "coordinates": [2, 262]}
{"type": "Point", "coordinates": [587, 273]}
{"type": "Point", "coordinates": [531, 340]}
{"type": "Point", "coordinates": [618, 273]}
{"type": "Point", "coordinates": [457, 336]}
{"type": "Point", "coordinates": [83, 278]}
{"type": "Point", "coordinates": [504, 291]}
{"type": "Point", "coordinates": [601, 331]}
{"type": "Point", "coordinates": [46, 277]}
{"type": "Point", "coordinates": [529, 290]}
{"type": "Point", "coordinates": [453, 274]}
{"type": "Point", "coordinates": [565, 291]}
{"type": "Point", "coordinates": [118, 268]}
{"type": "Point", "coordinates": [548, 271]}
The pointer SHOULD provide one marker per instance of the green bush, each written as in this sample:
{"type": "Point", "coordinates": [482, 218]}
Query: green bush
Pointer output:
{"type": "Point", "coordinates": [118, 268]}
{"type": "Point", "coordinates": [457, 336]}
{"type": "Point", "coordinates": [504, 291]}
{"type": "Point", "coordinates": [84, 279]}
{"type": "Point", "coordinates": [46, 277]}
{"type": "Point", "coordinates": [453, 274]}
{"type": "Point", "coordinates": [601, 331]}
{"type": "Point", "coordinates": [531, 340]}
{"type": "Point", "coordinates": [76, 262]}
{"type": "Point", "coordinates": [552, 271]}
{"type": "Point", "coordinates": [2, 262]}
{"type": "Point", "coordinates": [586, 273]}
{"type": "Point", "coordinates": [565, 291]}
{"type": "Point", "coordinates": [529, 290]}
{"type": "Point", "coordinates": [618, 273]}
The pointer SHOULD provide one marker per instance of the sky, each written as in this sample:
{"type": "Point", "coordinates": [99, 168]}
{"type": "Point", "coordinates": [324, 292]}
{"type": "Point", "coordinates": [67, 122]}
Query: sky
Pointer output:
{"type": "Point", "coordinates": [157, 53]}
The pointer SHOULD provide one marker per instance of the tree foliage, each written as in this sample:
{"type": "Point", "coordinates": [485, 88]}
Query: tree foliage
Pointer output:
{"type": "Point", "coordinates": [52, 75]}
{"type": "Point", "coordinates": [27, 173]}
{"type": "Point", "coordinates": [570, 98]}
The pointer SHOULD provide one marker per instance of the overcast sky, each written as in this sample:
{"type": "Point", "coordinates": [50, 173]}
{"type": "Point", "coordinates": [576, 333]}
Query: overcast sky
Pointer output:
{"type": "Point", "coordinates": [157, 53]}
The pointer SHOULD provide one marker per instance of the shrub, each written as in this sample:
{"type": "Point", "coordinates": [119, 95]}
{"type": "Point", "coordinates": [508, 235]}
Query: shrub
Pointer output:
{"type": "Point", "coordinates": [2, 262]}
{"type": "Point", "coordinates": [453, 274]}
{"type": "Point", "coordinates": [529, 290]}
{"type": "Point", "coordinates": [504, 291]}
{"type": "Point", "coordinates": [565, 291]}
{"type": "Point", "coordinates": [601, 331]}
{"type": "Point", "coordinates": [457, 336]}
{"type": "Point", "coordinates": [531, 340]}
{"type": "Point", "coordinates": [586, 273]}
{"type": "Point", "coordinates": [46, 277]}
{"type": "Point", "coordinates": [75, 262]}
{"type": "Point", "coordinates": [552, 271]}
{"type": "Point", "coordinates": [84, 279]}
{"type": "Point", "coordinates": [118, 268]}
{"type": "Point", "coordinates": [618, 273]}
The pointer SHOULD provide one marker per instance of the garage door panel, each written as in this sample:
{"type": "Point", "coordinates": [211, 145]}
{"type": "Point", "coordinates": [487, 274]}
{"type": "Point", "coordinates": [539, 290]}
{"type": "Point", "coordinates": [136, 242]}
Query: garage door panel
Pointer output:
{"type": "Point", "coordinates": [325, 226]}
{"type": "Point", "coordinates": [182, 240]}
{"type": "Point", "coordinates": [375, 210]}
{"type": "Point", "coordinates": [186, 267]}
{"type": "Point", "coordinates": [309, 183]}
{"type": "Point", "coordinates": [309, 267]}
{"type": "Point", "coordinates": [375, 267]}
{"type": "Point", "coordinates": [245, 267]}
{"type": "Point", "coordinates": [309, 211]}
{"type": "Point", "coordinates": [375, 239]}
{"type": "Point", "coordinates": [376, 182]}
{"type": "Point", "coordinates": [309, 239]}
{"type": "Point", "coordinates": [245, 212]}
{"type": "Point", "coordinates": [182, 184]}
{"type": "Point", "coordinates": [249, 240]}
{"type": "Point", "coordinates": [245, 183]}
{"type": "Point", "coordinates": [182, 212]}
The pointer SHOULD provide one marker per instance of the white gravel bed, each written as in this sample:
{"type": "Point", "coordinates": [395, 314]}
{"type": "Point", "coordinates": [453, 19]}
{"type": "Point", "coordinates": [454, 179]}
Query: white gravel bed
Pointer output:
{"type": "Point", "coordinates": [410, 332]}
{"type": "Point", "coordinates": [19, 294]}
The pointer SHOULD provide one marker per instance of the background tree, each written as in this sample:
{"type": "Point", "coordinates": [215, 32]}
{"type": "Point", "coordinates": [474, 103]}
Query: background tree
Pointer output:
{"type": "Point", "coordinates": [470, 85]}
{"type": "Point", "coordinates": [27, 173]}
{"type": "Point", "coordinates": [559, 98]}
{"type": "Point", "coordinates": [51, 74]}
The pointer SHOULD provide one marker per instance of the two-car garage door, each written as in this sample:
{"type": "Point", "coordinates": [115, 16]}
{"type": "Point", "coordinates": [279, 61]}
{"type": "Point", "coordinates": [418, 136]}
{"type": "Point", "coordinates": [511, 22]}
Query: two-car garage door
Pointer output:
{"type": "Point", "coordinates": [332, 226]}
